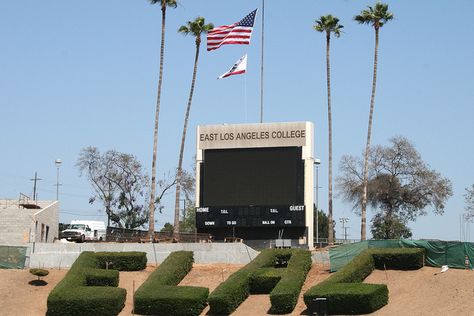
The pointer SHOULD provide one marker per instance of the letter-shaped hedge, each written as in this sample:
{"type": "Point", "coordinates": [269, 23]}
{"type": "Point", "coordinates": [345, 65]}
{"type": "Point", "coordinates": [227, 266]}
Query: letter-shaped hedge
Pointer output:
{"type": "Point", "coordinates": [160, 295]}
{"type": "Point", "coordinates": [262, 275]}
{"type": "Point", "coordinates": [88, 289]}
{"type": "Point", "coordinates": [346, 294]}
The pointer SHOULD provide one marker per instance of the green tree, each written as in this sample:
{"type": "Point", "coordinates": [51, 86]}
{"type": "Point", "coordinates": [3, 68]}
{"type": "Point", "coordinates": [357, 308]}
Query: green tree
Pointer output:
{"type": "Point", "coordinates": [401, 186]}
{"type": "Point", "coordinates": [151, 215]}
{"type": "Point", "coordinates": [377, 17]}
{"type": "Point", "coordinates": [386, 226]}
{"type": "Point", "coordinates": [329, 24]}
{"type": "Point", "coordinates": [167, 228]}
{"type": "Point", "coordinates": [188, 224]}
{"type": "Point", "coordinates": [196, 28]}
{"type": "Point", "coordinates": [323, 225]}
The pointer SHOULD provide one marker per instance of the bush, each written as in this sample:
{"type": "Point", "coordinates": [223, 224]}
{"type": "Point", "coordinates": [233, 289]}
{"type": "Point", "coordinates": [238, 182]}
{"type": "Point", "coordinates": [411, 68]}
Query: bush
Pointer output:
{"type": "Point", "coordinates": [398, 258]}
{"type": "Point", "coordinates": [39, 272]}
{"type": "Point", "coordinates": [285, 294]}
{"type": "Point", "coordinates": [231, 293]}
{"type": "Point", "coordinates": [73, 296]}
{"type": "Point", "coordinates": [350, 298]}
{"type": "Point", "coordinates": [102, 278]}
{"type": "Point", "coordinates": [122, 261]}
{"type": "Point", "coordinates": [160, 295]}
{"type": "Point", "coordinates": [261, 276]}
{"type": "Point", "coordinates": [347, 295]}
{"type": "Point", "coordinates": [263, 280]}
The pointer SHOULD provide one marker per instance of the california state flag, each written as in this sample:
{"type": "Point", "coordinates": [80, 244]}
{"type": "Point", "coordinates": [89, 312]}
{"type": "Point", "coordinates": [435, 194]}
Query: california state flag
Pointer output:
{"type": "Point", "coordinates": [238, 68]}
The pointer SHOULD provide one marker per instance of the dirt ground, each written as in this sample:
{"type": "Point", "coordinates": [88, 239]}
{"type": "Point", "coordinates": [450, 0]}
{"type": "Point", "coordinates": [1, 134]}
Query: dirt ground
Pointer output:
{"type": "Point", "coordinates": [420, 292]}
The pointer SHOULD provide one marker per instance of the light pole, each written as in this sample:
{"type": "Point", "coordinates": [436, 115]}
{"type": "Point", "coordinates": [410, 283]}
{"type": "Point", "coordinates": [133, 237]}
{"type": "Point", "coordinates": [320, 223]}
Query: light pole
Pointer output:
{"type": "Point", "coordinates": [57, 162]}
{"type": "Point", "coordinates": [344, 220]}
{"type": "Point", "coordinates": [317, 162]}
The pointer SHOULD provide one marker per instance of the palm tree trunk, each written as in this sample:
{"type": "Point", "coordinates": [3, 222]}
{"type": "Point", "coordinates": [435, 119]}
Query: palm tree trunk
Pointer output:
{"type": "Point", "coordinates": [151, 226]}
{"type": "Point", "coordinates": [367, 147]}
{"type": "Point", "coordinates": [328, 74]}
{"type": "Point", "coordinates": [181, 151]}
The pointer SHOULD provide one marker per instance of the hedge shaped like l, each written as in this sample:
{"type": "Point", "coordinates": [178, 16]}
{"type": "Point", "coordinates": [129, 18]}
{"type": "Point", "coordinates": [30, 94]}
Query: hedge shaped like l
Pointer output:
{"type": "Point", "coordinates": [160, 295]}
{"type": "Point", "coordinates": [347, 295]}
{"type": "Point", "coordinates": [261, 276]}
{"type": "Point", "coordinates": [88, 289]}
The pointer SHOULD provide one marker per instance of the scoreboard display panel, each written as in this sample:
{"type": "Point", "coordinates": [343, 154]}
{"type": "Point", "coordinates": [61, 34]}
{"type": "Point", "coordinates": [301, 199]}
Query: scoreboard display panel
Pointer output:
{"type": "Point", "coordinates": [252, 187]}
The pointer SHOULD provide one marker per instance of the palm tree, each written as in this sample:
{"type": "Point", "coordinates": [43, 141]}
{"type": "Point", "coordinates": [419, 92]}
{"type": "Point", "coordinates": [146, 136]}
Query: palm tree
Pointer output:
{"type": "Point", "coordinates": [196, 28]}
{"type": "Point", "coordinates": [377, 17]}
{"type": "Point", "coordinates": [329, 24]}
{"type": "Point", "coordinates": [164, 5]}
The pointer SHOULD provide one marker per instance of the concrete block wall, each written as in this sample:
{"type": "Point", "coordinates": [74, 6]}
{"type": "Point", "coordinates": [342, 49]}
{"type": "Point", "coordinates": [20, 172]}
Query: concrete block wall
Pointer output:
{"type": "Point", "coordinates": [48, 216]}
{"type": "Point", "coordinates": [18, 225]}
{"type": "Point", "coordinates": [62, 255]}
{"type": "Point", "coordinates": [15, 225]}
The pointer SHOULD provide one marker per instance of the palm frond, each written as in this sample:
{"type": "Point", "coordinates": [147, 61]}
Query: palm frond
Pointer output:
{"type": "Point", "coordinates": [196, 27]}
{"type": "Point", "coordinates": [184, 29]}
{"type": "Point", "coordinates": [169, 3]}
{"type": "Point", "coordinates": [376, 16]}
{"type": "Point", "coordinates": [328, 24]}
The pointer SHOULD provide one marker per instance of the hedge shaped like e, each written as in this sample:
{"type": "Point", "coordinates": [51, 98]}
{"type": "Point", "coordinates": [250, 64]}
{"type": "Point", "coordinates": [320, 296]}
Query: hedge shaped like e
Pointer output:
{"type": "Point", "coordinates": [88, 289]}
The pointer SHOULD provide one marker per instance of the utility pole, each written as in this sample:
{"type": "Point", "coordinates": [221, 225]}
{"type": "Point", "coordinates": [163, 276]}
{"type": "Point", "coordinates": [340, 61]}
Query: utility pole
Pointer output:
{"type": "Point", "coordinates": [343, 221]}
{"type": "Point", "coordinates": [35, 179]}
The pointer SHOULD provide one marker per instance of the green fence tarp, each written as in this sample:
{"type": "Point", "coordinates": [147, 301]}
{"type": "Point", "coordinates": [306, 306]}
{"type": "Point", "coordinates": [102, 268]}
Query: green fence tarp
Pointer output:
{"type": "Point", "coordinates": [437, 252]}
{"type": "Point", "coordinates": [12, 257]}
{"type": "Point", "coordinates": [342, 255]}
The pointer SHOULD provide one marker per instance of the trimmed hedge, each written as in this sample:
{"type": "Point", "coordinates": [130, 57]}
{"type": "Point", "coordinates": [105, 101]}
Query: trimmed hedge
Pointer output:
{"type": "Point", "coordinates": [261, 276]}
{"type": "Point", "coordinates": [263, 280]}
{"type": "Point", "coordinates": [122, 261]}
{"type": "Point", "coordinates": [74, 296]}
{"type": "Point", "coordinates": [160, 295]}
{"type": "Point", "coordinates": [102, 278]}
{"type": "Point", "coordinates": [352, 298]}
{"type": "Point", "coordinates": [398, 258]}
{"type": "Point", "coordinates": [285, 294]}
{"type": "Point", "coordinates": [347, 295]}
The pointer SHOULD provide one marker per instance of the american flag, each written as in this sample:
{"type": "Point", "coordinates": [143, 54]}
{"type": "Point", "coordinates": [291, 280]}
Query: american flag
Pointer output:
{"type": "Point", "coordinates": [237, 33]}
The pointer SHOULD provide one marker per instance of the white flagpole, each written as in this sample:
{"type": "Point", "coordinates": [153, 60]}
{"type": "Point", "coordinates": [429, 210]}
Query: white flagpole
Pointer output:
{"type": "Point", "coordinates": [261, 69]}
{"type": "Point", "coordinates": [245, 96]}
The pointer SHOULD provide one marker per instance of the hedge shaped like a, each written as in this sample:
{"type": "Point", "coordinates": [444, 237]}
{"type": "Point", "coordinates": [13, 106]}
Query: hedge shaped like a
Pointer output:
{"type": "Point", "coordinates": [346, 294]}
{"type": "Point", "coordinates": [88, 289]}
{"type": "Point", "coordinates": [160, 295]}
{"type": "Point", "coordinates": [261, 276]}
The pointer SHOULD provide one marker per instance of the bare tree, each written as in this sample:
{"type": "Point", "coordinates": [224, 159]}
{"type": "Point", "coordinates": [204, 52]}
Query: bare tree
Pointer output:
{"type": "Point", "coordinates": [119, 182]}
{"type": "Point", "coordinates": [401, 186]}
{"type": "Point", "coordinates": [469, 199]}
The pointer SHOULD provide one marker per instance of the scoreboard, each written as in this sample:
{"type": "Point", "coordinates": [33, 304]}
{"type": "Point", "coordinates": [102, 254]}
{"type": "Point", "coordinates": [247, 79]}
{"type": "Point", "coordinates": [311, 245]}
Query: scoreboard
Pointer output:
{"type": "Point", "coordinates": [251, 216]}
{"type": "Point", "coordinates": [255, 181]}
{"type": "Point", "coordinates": [258, 187]}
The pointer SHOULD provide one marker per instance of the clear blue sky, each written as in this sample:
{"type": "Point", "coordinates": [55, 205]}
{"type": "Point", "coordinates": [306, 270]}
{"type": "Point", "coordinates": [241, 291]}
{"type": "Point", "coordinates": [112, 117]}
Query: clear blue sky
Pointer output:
{"type": "Point", "coordinates": [84, 73]}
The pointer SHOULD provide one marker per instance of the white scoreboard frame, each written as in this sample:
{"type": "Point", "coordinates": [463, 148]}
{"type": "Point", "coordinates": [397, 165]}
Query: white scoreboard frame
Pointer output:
{"type": "Point", "coordinates": [261, 135]}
